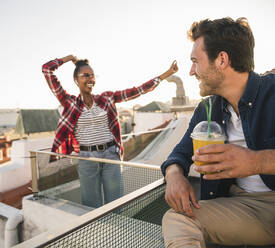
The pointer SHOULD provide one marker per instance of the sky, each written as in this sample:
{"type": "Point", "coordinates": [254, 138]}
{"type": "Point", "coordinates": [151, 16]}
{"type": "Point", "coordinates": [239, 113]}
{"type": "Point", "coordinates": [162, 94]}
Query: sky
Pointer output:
{"type": "Point", "coordinates": [126, 41]}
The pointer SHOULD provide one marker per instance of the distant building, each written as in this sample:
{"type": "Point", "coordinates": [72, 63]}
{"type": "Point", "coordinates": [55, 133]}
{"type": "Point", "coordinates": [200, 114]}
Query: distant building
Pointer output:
{"type": "Point", "coordinates": [36, 121]}
{"type": "Point", "coordinates": [151, 115]}
{"type": "Point", "coordinates": [8, 118]}
{"type": "Point", "coordinates": [5, 150]}
{"type": "Point", "coordinates": [155, 107]}
{"type": "Point", "coordinates": [125, 120]}
{"type": "Point", "coordinates": [34, 130]}
{"type": "Point", "coordinates": [16, 124]}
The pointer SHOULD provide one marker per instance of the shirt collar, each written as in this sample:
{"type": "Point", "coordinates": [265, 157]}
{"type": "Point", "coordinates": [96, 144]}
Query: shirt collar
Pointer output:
{"type": "Point", "coordinates": [251, 90]}
{"type": "Point", "coordinates": [250, 93]}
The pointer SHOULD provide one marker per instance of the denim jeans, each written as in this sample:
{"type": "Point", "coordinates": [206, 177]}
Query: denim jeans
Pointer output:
{"type": "Point", "coordinates": [100, 183]}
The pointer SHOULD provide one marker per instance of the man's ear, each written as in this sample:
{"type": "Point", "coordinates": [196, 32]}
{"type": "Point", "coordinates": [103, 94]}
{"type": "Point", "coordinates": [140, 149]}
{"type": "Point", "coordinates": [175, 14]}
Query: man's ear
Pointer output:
{"type": "Point", "coordinates": [222, 60]}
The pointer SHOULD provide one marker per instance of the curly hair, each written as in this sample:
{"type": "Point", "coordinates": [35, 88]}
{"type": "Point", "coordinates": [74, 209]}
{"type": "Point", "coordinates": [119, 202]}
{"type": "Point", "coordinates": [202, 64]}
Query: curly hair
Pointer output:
{"type": "Point", "coordinates": [78, 64]}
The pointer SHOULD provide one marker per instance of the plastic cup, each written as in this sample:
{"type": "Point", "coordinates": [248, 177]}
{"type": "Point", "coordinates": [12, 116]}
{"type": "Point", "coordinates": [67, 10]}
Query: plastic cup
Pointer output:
{"type": "Point", "coordinates": [201, 137]}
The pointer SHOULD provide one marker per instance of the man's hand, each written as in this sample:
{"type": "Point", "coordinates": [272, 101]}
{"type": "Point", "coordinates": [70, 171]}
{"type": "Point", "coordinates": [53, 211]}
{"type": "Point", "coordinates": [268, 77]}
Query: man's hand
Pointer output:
{"type": "Point", "coordinates": [179, 193]}
{"type": "Point", "coordinates": [227, 161]}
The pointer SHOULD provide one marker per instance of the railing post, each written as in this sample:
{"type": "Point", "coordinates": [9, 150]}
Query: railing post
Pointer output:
{"type": "Point", "coordinates": [34, 174]}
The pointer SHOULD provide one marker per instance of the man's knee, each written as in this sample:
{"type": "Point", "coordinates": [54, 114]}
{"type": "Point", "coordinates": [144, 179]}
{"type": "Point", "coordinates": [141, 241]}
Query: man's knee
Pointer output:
{"type": "Point", "coordinates": [179, 221]}
{"type": "Point", "coordinates": [180, 230]}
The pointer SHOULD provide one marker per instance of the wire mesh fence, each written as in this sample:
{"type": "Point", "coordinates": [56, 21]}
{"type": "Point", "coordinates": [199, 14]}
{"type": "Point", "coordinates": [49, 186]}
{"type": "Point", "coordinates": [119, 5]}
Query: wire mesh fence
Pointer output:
{"type": "Point", "coordinates": [60, 178]}
{"type": "Point", "coordinates": [136, 224]}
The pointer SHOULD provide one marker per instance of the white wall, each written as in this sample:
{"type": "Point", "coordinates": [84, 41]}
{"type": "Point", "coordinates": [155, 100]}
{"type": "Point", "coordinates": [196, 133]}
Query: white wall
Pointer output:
{"type": "Point", "coordinates": [17, 172]}
{"type": "Point", "coordinates": [47, 214]}
{"type": "Point", "coordinates": [149, 120]}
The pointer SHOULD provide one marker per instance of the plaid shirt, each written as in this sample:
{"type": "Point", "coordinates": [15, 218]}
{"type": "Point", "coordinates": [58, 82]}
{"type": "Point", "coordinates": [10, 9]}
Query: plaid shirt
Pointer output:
{"type": "Point", "coordinates": [64, 141]}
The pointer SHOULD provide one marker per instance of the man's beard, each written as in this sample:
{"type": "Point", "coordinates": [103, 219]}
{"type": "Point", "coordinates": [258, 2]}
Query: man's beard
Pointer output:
{"type": "Point", "coordinates": [210, 81]}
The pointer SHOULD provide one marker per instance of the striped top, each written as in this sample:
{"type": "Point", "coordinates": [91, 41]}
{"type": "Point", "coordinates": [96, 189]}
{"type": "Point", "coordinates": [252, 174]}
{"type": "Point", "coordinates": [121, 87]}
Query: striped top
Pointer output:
{"type": "Point", "coordinates": [92, 127]}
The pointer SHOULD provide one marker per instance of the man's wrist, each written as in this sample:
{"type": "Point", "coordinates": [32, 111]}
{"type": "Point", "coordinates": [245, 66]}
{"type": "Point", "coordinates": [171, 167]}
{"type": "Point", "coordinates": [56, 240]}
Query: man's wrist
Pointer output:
{"type": "Point", "coordinates": [173, 168]}
{"type": "Point", "coordinates": [264, 161]}
{"type": "Point", "coordinates": [257, 158]}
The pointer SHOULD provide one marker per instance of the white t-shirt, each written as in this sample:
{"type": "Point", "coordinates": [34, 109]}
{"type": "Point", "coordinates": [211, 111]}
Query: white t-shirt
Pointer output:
{"type": "Point", "coordinates": [92, 127]}
{"type": "Point", "coordinates": [235, 136]}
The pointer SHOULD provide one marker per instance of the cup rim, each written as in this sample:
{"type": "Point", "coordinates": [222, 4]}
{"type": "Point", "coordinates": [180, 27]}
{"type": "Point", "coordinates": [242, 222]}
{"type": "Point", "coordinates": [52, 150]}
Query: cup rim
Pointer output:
{"type": "Point", "coordinates": [218, 137]}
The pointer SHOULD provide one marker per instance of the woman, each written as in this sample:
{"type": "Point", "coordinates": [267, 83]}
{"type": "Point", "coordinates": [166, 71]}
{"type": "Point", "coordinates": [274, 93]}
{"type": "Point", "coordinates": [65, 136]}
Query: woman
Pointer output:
{"type": "Point", "coordinates": [89, 126]}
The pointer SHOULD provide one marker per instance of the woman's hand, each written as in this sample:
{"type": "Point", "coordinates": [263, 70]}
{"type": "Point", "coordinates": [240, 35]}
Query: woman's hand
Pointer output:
{"type": "Point", "coordinates": [69, 58]}
{"type": "Point", "coordinates": [74, 59]}
{"type": "Point", "coordinates": [173, 69]}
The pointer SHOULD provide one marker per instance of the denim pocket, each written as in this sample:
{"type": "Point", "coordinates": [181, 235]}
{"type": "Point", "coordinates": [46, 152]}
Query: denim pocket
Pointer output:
{"type": "Point", "coordinates": [112, 149]}
{"type": "Point", "coordinates": [112, 153]}
{"type": "Point", "coordinates": [84, 154]}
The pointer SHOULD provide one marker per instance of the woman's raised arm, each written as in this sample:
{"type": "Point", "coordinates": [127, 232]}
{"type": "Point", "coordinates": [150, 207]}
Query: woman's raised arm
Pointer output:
{"type": "Point", "coordinates": [131, 93]}
{"type": "Point", "coordinates": [52, 80]}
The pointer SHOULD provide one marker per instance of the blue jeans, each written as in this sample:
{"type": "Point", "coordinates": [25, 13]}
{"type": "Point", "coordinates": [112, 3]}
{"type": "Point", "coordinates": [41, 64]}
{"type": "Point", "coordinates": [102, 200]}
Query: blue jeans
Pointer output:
{"type": "Point", "coordinates": [100, 183]}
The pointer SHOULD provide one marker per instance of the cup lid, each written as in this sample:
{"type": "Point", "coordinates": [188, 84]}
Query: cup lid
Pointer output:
{"type": "Point", "coordinates": [201, 131]}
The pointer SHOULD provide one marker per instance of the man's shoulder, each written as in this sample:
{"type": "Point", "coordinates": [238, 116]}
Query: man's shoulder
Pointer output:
{"type": "Point", "coordinates": [260, 85]}
{"type": "Point", "coordinates": [268, 79]}
{"type": "Point", "coordinates": [265, 79]}
{"type": "Point", "coordinates": [267, 84]}
{"type": "Point", "coordinates": [272, 71]}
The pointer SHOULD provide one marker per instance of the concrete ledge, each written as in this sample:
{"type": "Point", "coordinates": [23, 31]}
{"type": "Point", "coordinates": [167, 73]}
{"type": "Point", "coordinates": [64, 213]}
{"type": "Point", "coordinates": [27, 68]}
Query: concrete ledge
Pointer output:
{"type": "Point", "coordinates": [6, 212]}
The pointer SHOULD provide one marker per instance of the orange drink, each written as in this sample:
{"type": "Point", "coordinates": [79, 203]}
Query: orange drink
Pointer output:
{"type": "Point", "coordinates": [203, 135]}
{"type": "Point", "coordinates": [200, 143]}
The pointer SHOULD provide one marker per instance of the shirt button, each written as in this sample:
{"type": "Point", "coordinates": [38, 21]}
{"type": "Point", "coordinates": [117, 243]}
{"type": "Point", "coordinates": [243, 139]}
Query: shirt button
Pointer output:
{"type": "Point", "coordinates": [211, 193]}
{"type": "Point", "coordinates": [250, 104]}
{"type": "Point", "coordinates": [223, 122]}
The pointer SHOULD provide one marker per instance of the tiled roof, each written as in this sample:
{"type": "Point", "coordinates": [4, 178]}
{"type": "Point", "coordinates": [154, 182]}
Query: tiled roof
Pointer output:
{"type": "Point", "coordinates": [155, 107]}
{"type": "Point", "coordinates": [37, 120]}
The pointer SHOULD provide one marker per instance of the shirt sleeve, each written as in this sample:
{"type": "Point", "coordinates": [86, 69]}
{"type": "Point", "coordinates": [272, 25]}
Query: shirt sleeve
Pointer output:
{"type": "Point", "coordinates": [53, 82]}
{"type": "Point", "coordinates": [131, 93]}
{"type": "Point", "coordinates": [183, 151]}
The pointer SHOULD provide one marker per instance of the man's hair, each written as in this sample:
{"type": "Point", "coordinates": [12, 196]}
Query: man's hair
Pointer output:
{"type": "Point", "coordinates": [233, 37]}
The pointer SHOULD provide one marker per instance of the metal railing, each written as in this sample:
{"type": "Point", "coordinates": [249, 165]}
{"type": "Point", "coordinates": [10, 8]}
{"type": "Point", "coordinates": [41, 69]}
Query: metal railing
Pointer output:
{"type": "Point", "coordinates": [145, 132]}
{"type": "Point", "coordinates": [64, 170]}
{"type": "Point", "coordinates": [131, 221]}
{"type": "Point", "coordinates": [134, 220]}
{"type": "Point", "coordinates": [36, 173]}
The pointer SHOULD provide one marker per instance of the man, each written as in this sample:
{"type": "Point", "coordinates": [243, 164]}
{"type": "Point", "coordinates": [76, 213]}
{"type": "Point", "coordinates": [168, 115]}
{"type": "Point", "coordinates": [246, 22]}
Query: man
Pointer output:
{"type": "Point", "coordinates": [238, 197]}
